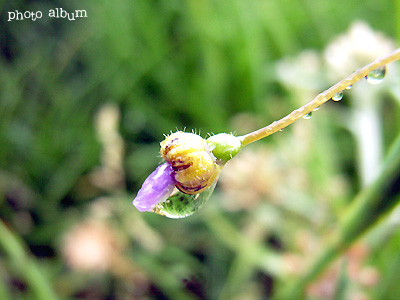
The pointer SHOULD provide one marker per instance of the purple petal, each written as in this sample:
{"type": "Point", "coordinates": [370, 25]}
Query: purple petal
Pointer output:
{"type": "Point", "coordinates": [156, 188]}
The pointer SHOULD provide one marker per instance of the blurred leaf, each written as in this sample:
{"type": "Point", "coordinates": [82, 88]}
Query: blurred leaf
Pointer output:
{"type": "Point", "coordinates": [342, 282]}
{"type": "Point", "coordinates": [26, 266]}
{"type": "Point", "coordinates": [370, 205]}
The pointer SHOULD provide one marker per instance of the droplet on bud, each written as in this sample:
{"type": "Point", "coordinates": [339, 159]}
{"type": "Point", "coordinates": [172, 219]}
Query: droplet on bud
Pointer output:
{"type": "Point", "coordinates": [349, 87]}
{"type": "Point", "coordinates": [315, 109]}
{"type": "Point", "coordinates": [307, 116]}
{"type": "Point", "coordinates": [376, 76]}
{"type": "Point", "coordinates": [338, 96]}
{"type": "Point", "coordinates": [181, 205]}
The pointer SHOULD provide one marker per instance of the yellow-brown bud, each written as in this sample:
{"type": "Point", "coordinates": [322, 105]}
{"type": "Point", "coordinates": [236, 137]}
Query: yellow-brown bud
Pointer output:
{"type": "Point", "coordinates": [194, 165]}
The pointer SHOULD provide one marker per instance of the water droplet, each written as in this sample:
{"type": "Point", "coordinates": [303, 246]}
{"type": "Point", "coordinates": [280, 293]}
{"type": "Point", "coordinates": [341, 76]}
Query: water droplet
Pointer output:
{"type": "Point", "coordinates": [338, 96]}
{"type": "Point", "coordinates": [349, 87]}
{"type": "Point", "coordinates": [181, 205]}
{"type": "Point", "coordinates": [376, 76]}
{"type": "Point", "coordinates": [315, 109]}
{"type": "Point", "coordinates": [307, 116]}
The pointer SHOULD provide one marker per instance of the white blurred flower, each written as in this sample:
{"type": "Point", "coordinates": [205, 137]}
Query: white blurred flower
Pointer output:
{"type": "Point", "coordinates": [301, 72]}
{"type": "Point", "coordinates": [348, 52]}
{"type": "Point", "coordinates": [356, 48]}
{"type": "Point", "coordinates": [90, 246]}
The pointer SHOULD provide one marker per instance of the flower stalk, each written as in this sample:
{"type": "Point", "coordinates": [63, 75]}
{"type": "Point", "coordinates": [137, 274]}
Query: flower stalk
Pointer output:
{"type": "Point", "coordinates": [319, 99]}
{"type": "Point", "coordinates": [186, 180]}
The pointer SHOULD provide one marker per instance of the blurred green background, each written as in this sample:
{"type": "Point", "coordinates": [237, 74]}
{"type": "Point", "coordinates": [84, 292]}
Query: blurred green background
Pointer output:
{"type": "Point", "coordinates": [85, 103]}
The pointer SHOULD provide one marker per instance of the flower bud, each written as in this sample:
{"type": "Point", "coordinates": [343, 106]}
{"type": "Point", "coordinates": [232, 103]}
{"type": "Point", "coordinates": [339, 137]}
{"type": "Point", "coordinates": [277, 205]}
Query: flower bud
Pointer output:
{"type": "Point", "coordinates": [194, 165]}
{"type": "Point", "coordinates": [224, 146]}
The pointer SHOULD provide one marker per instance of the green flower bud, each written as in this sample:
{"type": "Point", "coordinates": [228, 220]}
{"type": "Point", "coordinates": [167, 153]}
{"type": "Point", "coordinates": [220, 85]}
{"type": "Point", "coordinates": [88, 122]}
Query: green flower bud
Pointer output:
{"type": "Point", "coordinates": [224, 146]}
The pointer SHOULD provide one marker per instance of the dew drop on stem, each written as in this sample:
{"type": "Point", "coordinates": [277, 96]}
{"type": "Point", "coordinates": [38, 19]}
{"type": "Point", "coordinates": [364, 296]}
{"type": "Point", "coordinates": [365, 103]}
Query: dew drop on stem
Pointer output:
{"type": "Point", "coordinates": [338, 96]}
{"type": "Point", "coordinates": [376, 76]}
{"type": "Point", "coordinates": [307, 116]}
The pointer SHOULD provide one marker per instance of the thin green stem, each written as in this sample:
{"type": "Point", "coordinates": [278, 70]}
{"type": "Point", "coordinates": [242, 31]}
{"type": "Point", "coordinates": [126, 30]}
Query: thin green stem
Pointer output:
{"type": "Point", "coordinates": [4, 291]}
{"type": "Point", "coordinates": [318, 100]}
{"type": "Point", "coordinates": [258, 255]}
{"type": "Point", "coordinates": [25, 265]}
{"type": "Point", "coordinates": [238, 276]}
{"type": "Point", "coordinates": [370, 205]}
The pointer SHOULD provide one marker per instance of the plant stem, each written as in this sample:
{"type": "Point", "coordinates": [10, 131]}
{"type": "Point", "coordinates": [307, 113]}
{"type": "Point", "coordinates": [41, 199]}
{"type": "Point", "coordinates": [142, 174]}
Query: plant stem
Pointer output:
{"type": "Point", "coordinates": [369, 206]}
{"type": "Point", "coordinates": [319, 100]}
{"type": "Point", "coordinates": [25, 265]}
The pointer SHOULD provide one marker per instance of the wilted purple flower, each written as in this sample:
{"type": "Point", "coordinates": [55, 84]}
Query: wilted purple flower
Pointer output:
{"type": "Point", "coordinates": [156, 188]}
